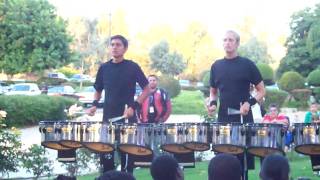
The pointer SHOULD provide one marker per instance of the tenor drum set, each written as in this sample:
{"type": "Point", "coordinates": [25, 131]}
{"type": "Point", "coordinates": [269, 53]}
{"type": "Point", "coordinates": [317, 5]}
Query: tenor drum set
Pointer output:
{"type": "Point", "coordinates": [143, 138]}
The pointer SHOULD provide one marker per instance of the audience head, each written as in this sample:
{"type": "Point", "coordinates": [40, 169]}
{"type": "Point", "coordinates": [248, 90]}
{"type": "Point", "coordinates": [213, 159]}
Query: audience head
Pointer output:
{"type": "Point", "coordinates": [224, 167]}
{"type": "Point", "coordinates": [273, 111]}
{"type": "Point", "coordinates": [166, 167]}
{"type": "Point", "coordinates": [275, 167]}
{"type": "Point", "coordinates": [314, 107]}
{"type": "Point", "coordinates": [116, 175]}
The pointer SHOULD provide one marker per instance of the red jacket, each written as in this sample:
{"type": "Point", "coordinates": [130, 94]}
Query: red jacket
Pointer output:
{"type": "Point", "coordinates": [158, 107]}
{"type": "Point", "coordinates": [281, 119]}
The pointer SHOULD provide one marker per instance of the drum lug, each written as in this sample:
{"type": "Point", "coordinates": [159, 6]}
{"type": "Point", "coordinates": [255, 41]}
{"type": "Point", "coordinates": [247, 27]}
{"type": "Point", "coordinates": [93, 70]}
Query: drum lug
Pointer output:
{"type": "Point", "coordinates": [317, 131]}
{"type": "Point", "coordinates": [218, 132]}
{"type": "Point", "coordinates": [200, 132]}
{"type": "Point", "coordinates": [269, 133]}
{"type": "Point", "coordinates": [186, 131]}
{"type": "Point", "coordinates": [253, 132]}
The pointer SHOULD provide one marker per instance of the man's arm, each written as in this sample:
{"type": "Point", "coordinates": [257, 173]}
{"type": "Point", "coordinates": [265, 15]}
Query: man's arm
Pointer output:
{"type": "Point", "coordinates": [169, 110]}
{"type": "Point", "coordinates": [212, 106]}
{"type": "Point", "coordinates": [143, 96]}
{"type": "Point", "coordinates": [261, 92]}
{"type": "Point", "coordinates": [96, 96]}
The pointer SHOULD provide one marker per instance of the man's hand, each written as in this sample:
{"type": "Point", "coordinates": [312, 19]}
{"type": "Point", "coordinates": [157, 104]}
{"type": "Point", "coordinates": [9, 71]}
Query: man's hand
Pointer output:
{"type": "Point", "coordinates": [128, 112]}
{"type": "Point", "coordinates": [91, 111]}
{"type": "Point", "coordinates": [211, 109]}
{"type": "Point", "coordinates": [245, 108]}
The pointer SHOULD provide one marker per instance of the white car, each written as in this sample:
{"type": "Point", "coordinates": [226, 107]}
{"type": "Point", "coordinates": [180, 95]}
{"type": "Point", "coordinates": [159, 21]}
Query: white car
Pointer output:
{"type": "Point", "coordinates": [60, 91]}
{"type": "Point", "coordinates": [87, 96]}
{"type": "Point", "coordinates": [30, 89]}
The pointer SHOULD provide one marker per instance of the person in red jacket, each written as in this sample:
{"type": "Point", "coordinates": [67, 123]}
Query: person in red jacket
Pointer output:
{"type": "Point", "coordinates": [274, 117]}
{"type": "Point", "coordinates": [156, 108]}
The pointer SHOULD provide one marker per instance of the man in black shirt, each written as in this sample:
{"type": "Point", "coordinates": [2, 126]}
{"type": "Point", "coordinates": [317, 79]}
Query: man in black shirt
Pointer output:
{"type": "Point", "coordinates": [118, 77]}
{"type": "Point", "coordinates": [231, 77]}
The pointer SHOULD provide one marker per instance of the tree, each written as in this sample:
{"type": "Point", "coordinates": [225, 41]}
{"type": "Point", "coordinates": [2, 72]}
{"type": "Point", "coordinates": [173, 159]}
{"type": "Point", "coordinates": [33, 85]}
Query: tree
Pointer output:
{"type": "Point", "coordinates": [32, 37]}
{"type": "Point", "coordinates": [255, 50]}
{"type": "Point", "coordinates": [303, 45]}
{"type": "Point", "coordinates": [165, 62]}
{"type": "Point", "coordinates": [266, 73]}
{"type": "Point", "coordinates": [291, 80]}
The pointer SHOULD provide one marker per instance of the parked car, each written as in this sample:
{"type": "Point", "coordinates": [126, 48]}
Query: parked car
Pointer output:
{"type": "Point", "coordinates": [184, 83]}
{"type": "Point", "coordinates": [138, 91]}
{"type": "Point", "coordinates": [86, 96]}
{"type": "Point", "coordinates": [57, 75]}
{"type": "Point", "coordinates": [81, 77]}
{"type": "Point", "coordinates": [24, 89]}
{"type": "Point", "coordinates": [61, 91]}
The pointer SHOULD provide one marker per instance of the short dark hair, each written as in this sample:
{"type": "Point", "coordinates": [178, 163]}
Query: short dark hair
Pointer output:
{"type": "Point", "coordinates": [116, 175]}
{"type": "Point", "coordinates": [220, 166]}
{"type": "Point", "coordinates": [164, 167]}
{"type": "Point", "coordinates": [275, 166]}
{"type": "Point", "coordinates": [121, 38]}
{"type": "Point", "coordinates": [153, 75]}
{"type": "Point", "coordinates": [273, 106]}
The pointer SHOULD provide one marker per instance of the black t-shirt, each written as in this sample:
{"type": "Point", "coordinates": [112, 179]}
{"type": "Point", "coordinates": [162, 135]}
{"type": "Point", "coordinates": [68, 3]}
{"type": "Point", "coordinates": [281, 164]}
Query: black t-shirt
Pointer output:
{"type": "Point", "coordinates": [119, 82]}
{"type": "Point", "coordinates": [232, 78]}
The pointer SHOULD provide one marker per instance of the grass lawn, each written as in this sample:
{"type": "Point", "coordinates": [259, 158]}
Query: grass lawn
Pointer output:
{"type": "Point", "coordinates": [188, 102]}
{"type": "Point", "coordinates": [300, 167]}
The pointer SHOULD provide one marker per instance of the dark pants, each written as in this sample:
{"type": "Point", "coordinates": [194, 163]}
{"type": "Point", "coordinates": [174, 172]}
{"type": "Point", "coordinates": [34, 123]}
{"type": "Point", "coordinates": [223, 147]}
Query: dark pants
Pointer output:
{"type": "Point", "coordinates": [127, 162]}
{"type": "Point", "coordinates": [315, 162]}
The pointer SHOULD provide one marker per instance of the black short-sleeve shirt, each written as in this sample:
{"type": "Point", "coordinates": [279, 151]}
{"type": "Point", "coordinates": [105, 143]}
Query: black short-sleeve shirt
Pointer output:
{"type": "Point", "coordinates": [119, 82]}
{"type": "Point", "coordinates": [232, 78]}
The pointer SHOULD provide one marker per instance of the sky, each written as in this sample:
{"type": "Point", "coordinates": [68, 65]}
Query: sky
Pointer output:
{"type": "Point", "coordinates": [271, 16]}
{"type": "Point", "coordinates": [217, 15]}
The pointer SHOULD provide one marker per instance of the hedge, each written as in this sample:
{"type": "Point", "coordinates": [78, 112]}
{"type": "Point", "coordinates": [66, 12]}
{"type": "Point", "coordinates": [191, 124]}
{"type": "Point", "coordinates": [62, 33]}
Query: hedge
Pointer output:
{"type": "Point", "coordinates": [275, 97]}
{"type": "Point", "coordinates": [170, 84]}
{"type": "Point", "coordinates": [266, 73]}
{"type": "Point", "coordinates": [314, 78]}
{"type": "Point", "coordinates": [29, 110]}
{"type": "Point", "coordinates": [291, 80]}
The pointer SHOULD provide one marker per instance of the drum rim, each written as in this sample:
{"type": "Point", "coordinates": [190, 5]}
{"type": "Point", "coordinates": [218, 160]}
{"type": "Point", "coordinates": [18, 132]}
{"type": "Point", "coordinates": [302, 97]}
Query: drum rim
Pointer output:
{"type": "Point", "coordinates": [238, 146]}
{"type": "Point", "coordinates": [208, 144]}
{"type": "Point", "coordinates": [61, 143]}
{"type": "Point", "coordinates": [181, 145]}
{"type": "Point", "coordinates": [306, 124]}
{"type": "Point", "coordinates": [134, 145]}
{"type": "Point", "coordinates": [66, 148]}
{"type": "Point", "coordinates": [263, 125]}
{"type": "Point", "coordinates": [109, 144]}
{"type": "Point", "coordinates": [297, 146]}
{"type": "Point", "coordinates": [256, 147]}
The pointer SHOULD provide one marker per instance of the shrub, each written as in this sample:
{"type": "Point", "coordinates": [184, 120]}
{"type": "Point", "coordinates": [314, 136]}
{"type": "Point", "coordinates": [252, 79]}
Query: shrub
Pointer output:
{"type": "Point", "coordinates": [202, 74]}
{"type": "Point", "coordinates": [301, 95]}
{"type": "Point", "coordinates": [206, 79]}
{"type": "Point", "coordinates": [266, 73]}
{"type": "Point", "coordinates": [275, 97]}
{"type": "Point", "coordinates": [29, 110]}
{"type": "Point", "coordinates": [50, 81]}
{"type": "Point", "coordinates": [291, 80]}
{"type": "Point", "coordinates": [68, 71]}
{"type": "Point", "coordinates": [314, 78]}
{"type": "Point", "coordinates": [170, 84]}
{"type": "Point", "coordinates": [316, 92]}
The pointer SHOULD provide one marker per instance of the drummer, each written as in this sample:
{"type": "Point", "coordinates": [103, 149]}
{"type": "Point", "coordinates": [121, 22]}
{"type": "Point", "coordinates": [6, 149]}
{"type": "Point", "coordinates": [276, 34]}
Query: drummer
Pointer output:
{"type": "Point", "coordinates": [118, 77]}
{"type": "Point", "coordinates": [231, 77]}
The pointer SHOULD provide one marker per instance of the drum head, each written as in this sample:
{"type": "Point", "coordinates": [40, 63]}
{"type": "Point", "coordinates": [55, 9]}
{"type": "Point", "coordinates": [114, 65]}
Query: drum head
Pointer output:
{"type": "Point", "coordinates": [98, 147]}
{"type": "Point", "coordinates": [54, 145]}
{"type": "Point", "coordinates": [135, 150]}
{"type": "Point", "coordinates": [228, 148]}
{"type": "Point", "coordinates": [263, 152]}
{"type": "Point", "coordinates": [196, 146]}
{"type": "Point", "coordinates": [70, 144]}
{"type": "Point", "coordinates": [175, 148]}
{"type": "Point", "coordinates": [308, 149]}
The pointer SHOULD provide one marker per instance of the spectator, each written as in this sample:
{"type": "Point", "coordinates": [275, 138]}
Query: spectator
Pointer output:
{"type": "Point", "coordinates": [116, 175]}
{"type": "Point", "coordinates": [275, 167]}
{"type": "Point", "coordinates": [166, 167]}
{"type": "Point", "coordinates": [224, 167]}
{"type": "Point", "coordinates": [313, 115]}
{"type": "Point", "coordinates": [274, 117]}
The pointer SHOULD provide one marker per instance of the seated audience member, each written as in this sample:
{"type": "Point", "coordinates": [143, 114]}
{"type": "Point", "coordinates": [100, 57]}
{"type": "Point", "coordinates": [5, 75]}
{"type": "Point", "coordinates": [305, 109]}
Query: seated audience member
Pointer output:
{"type": "Point", "coordinates": [224, 167]}
{"type": "Point", "coordinates": [275, 167]}
{"type": "Point", "coordinates": [166, 167]}
{"type": "Point", "coordinates": [312, 116]}
{"type": "Point", "coordinates": [116, 175]}
{"type": "Point", "coordinates": [274, 117]}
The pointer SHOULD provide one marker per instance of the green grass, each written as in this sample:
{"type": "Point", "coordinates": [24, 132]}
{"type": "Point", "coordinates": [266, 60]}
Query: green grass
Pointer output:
{"type": "Point", "coordinates": [300, 167]}
{"type": "Point", "coordinates": [188, 102]}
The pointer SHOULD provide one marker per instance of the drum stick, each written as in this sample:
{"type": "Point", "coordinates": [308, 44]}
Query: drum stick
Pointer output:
{"type": "Point", "coordinates": [117, 118]}
{"type": "Point", "coordinates": [232, 111]}
{"type": "Point", "coordinates": [241, 117]}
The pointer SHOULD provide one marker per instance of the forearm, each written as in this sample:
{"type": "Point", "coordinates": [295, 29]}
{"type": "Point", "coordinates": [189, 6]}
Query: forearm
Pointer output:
{"type": "Point", "coordinates": [261, 92]}
{"type": "Point", "coordinates": [97, 95]}
{"type": "Point", "coordinates": [213, 94]}
{"type": "Point", "coordinates": [145, 93]}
